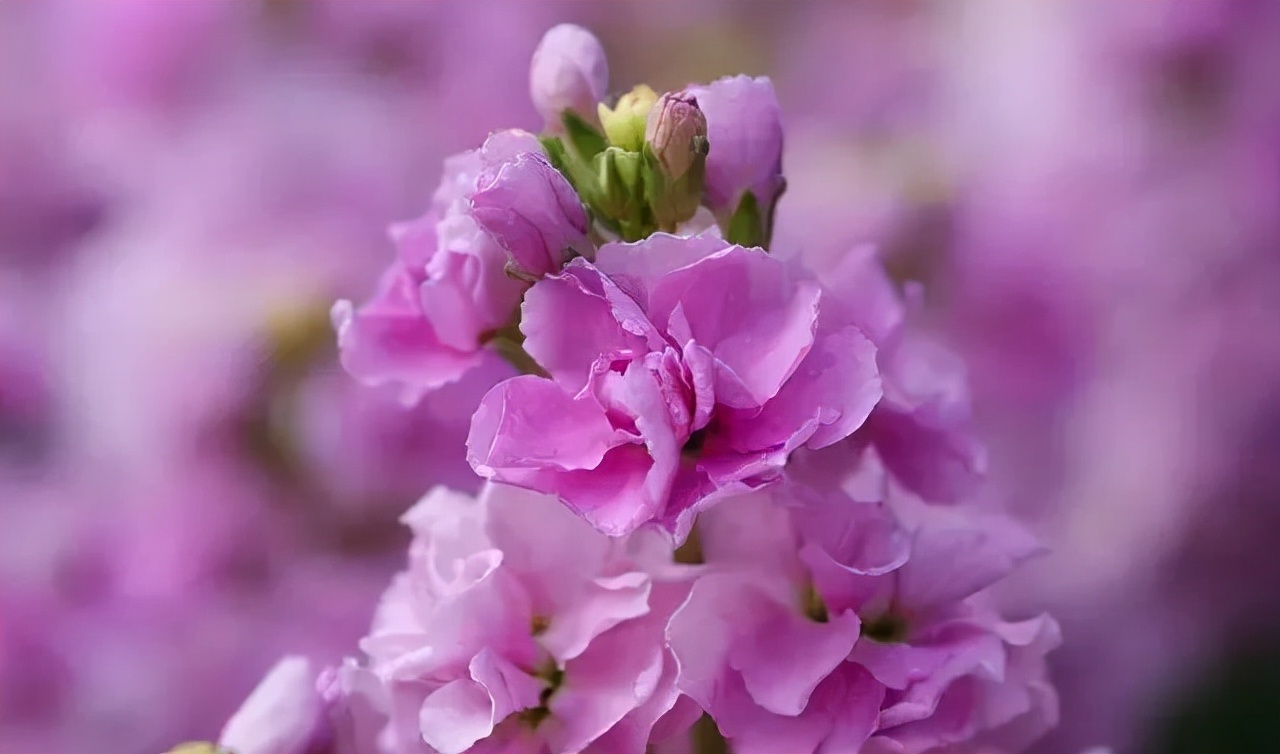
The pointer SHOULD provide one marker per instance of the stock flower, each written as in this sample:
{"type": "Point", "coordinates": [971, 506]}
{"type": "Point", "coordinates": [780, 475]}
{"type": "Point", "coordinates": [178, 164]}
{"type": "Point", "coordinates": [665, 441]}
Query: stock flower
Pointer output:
{"type": "Point", "coordinates": [516, 627]}
{"type": "Point", "coordinates": [532, 212]}
{"type": "Point", "coordinates": [448, 289]}
{"type": "Point", "coordinates": [922, 429]}
{"type": "Point", "coordinates": [825, 624]}
{"type": "Point", "coordinates": [682, 370]}
{"type": "Point", "coordinates": [569, 73]}
{"type": "Point", "coordinates": [744, 127]}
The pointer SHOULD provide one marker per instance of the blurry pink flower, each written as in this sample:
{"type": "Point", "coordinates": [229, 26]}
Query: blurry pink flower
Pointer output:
{"type": "Point", "coordinates": [682, 370]}
{"type": "Point", "coordinates": [922, 430]}
{"type": "Point", "coordinates": [824, 623]}
{"type": "Point", "coordinates": [448, 289]}
{"type": "Point", "coordinates": [516, 627]}
{"type": "Point", "coordinates": [117, 56]}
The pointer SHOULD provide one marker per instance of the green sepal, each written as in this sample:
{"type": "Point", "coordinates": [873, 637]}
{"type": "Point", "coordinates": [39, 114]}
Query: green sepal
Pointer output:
{"type": "Point", "coordinates": [746, 225]}
{"type": "Point", "coordinates": [621, 177]}
{"type": "Point", "coordinates": [555, 151]}
{"type": "Point", "coordinates": [672, 202]}
{"type": "Point", "coordinates": [582, 136]}
{"type": "Point", "coordinates": [577, 172]}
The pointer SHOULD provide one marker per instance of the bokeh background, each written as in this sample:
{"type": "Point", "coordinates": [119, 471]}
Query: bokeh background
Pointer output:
{"type": "Point", "coordinates": [1089, 193]}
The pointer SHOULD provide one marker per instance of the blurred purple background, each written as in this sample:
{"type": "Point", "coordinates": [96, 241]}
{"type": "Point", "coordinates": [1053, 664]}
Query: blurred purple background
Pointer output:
{"type": "Point", "coordinates": [189, 486]}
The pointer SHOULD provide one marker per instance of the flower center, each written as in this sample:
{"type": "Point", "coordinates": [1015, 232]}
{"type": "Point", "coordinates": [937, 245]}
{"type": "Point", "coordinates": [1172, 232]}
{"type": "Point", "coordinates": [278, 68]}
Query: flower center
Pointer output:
{"type": "Point", "coordinates": [886, 629]}
{"type": "Point", "coordinates": [552, 676]}
{"type": "Point", "coordinates": [814, 608]}
{"type": "Point", "coordinates": [693, 446]}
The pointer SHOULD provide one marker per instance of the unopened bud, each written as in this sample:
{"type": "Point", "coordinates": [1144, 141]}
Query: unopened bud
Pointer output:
{"type": "Point", "coordinates": [676, 132]}
{"type": "Point", "coordinates": [619, 173]}
{"type": "Point", "coordinates": [625, 123]}
{"type": "Point", "coordinates": [569, 72]}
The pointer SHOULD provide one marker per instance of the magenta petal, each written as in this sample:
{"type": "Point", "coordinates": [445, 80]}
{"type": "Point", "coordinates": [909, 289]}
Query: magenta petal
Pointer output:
{"type": "Point", "coordinates": [282, 714]}
{"type": "Point", "coordinates": [858, 291]}
{"type": "Point", "coordinates": [744, 127]}
{"type": "Point", "coordinates": [460, 713]}
{"type": "Point", "coordinates": [955, 555]}
{"type": "Point", "coordinates": [751, 730]}
{"type": "Point", "coordinates": [569, 72]}
{"type": "Point", "coordinates": [565, 550]}
{"type": "Point", "coordinates": [923, 429]}
{"type": "Point", "coordinates": [897, 666]}
{"type": "Point", "coordinates": [829, 396]}
{"type": "Point", "coordinates": [616, 496]}
{"type": "Point", "coordinates": [747, 308]}
{"type": "Point", "coordinates": [447, 302]}
{"type": "Point", "coordinates": [415, 242]}
{"type": "Point", "coordinates": [600, 606]}
{"type": "Point", "coordinates": [467, 292]}
{"type": "Point", "coordinates": [636, 266]}
{"type": "Point", "coordinates": [528, 422]}
{"type": "Point", "coordinates": [619, 672]}
{"type": "Point", "coordinates": [787, 655]}
{"type": "Point", "coordinates": [568, 328]}
{"type": "Point", "coordinates": [703, 629]}
{"type": "Point", "coordinates": [951, 659]}
{"type": "Point", "coordinates": [510, 688]}
{"type": "Point", "coordinates": [506, 145]}
{"type": "Point", "coordinates": [851, 699]}
{"type": "Point", "coordinates": [388, 340]}
{"type": "Point", "coordinates": [455, 716]}
{"type": "Point", "coordinates": [529, 208]}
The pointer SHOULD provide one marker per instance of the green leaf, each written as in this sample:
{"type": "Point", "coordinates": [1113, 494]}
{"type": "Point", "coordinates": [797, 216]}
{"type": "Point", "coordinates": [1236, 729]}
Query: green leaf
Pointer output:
{"type": "Point", "coordinates": [556, 154]}
{"type": "Point", "coordinates": [582, 136]}
{"type": "Point", "coordinates": [746, 226]}
{"type": "Point", "coordinates": [578, 173]}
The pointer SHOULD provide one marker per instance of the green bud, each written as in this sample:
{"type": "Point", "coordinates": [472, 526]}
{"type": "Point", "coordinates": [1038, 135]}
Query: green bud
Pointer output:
{"type": "Point", "coordinates": [620, 175]}
{"type": "Point", "coordinates": [624, 124]}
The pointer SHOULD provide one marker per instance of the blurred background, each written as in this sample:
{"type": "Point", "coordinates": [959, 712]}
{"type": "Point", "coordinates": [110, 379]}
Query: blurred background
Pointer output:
{"type": "Point", "coordinates": [1089, 193]}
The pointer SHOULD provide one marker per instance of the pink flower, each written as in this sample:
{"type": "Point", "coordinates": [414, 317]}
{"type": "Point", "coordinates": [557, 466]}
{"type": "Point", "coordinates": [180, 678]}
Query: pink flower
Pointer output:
{"type": "Point", "coordinates": [923, 428]}
{"type": "Point", "coordinates": [682, 370]}
{"type": "Point", "coordinates": [825, 624]}
{"type": "Point", "coordinates": [448, 289]}
{"type": "Point", "coordinates": [532, 212]}
{"type": "Point", "coordinates": [516, 627]}
{"type": "Point", "coordinates": [744, 126]}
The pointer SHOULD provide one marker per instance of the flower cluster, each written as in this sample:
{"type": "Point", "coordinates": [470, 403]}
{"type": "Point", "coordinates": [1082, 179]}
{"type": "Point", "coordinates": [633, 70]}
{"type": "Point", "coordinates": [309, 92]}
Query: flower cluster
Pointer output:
{"type": "Point", "coordinates": [715, 488]}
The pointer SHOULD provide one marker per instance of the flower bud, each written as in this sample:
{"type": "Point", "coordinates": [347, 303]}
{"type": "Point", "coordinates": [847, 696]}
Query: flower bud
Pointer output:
{"type": "Point", "coordinates": [528, 208]}
{"type": "Point", "coordinates": [619, 174]}
{"type": "Point", "coordinates": [745, 124]}
{"type": "Point", "coordinates": [676, 132]}
{"type": "Point", "coordinates": [625, 123]}
{"type": "Point", "coordinates": [569, 72]}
